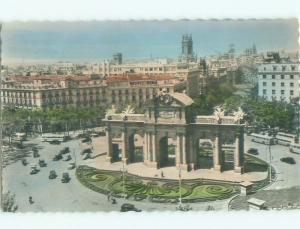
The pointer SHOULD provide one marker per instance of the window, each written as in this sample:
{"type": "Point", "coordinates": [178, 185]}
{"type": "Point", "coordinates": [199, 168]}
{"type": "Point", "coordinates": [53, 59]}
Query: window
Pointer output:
{"type": "Point", "coordinates": [273, 77]}
{"type": "Point", "coordinates": [264, 83]}
{"type": "Point", "coordinates": [264, 76]}
{"type": "Point", "coordinates": [282, 77]}
{"type": "Point", "coordinates": [292, 84]}
{"type": "Point", "coordinates": [282, 92]}
{"type": "Point", "coordinates": [274, 68]}
{"type": "Point", "coordinates": [282, 84]}
{"type": "Point", "coordinates": [293, 67]}
{"type": "Point", "coordinates": [273, 92]}
{"type": "Point", "coordinates": [291, 92]}
{"type": "Point", "coordinates": [283, 68]}
{"type": "Point", "coordinates": [291, 77]}
{"type": "Point", "coordinates": [264, 91]}
{"type": "Point", "coordinates": [273, 84]}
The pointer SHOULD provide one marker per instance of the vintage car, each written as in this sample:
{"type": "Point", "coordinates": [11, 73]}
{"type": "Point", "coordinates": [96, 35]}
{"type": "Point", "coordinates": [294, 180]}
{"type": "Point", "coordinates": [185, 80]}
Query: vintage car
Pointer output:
{"type": "Point", "coordinates": [24, 162]}
{"type": "Point", "coordinates": [86, 140]}
{"type": "Point", "coordinates": [33, 169]}
{"type": "Point", "coordinates": [68, 158]}
{"type": "Point", "coordinates": [288, 160]}
{"type": "Point", "coordinates": [57, 157]}
{"type": "Point", "coordinates": [87, 156]}
{"type": "Point", "coordinates": [129, 207]}
{"type": "Point", "coordinates": [36, 154]}
{"type": "Point", "coordinates": [253, 151]}
{"type": "Point", "coordinates": [52, 174]}
{"type": "Point", "coordinates": [86, 151]}
{"type": "Point", "coordinates": [71, 166]}
{"type": "Point", "coordinates": [65, 150]}
{"type": "Point", "coordinates": [54, 142]}
{"type": "Point", "coordinates": [67, 138]}
{"type": "Point", "coordinates": [65, 178]}
{"type": "Point", "coordinates": [42, 163]}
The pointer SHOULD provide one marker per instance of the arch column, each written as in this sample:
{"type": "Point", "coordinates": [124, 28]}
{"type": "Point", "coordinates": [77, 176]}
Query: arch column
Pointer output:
{"type": "Point", "coordinates": [125, 146]}
{"type": "Point", "coordinates": [181, 151]}
{"type": "Point", "coordinates": [109, 144]}
{"type": "Point", "coordinates": [217, 150]}
{"type": "Point", "coordinates": [239, 152]}
{"type": "Point", "coordinates": [146, 148]}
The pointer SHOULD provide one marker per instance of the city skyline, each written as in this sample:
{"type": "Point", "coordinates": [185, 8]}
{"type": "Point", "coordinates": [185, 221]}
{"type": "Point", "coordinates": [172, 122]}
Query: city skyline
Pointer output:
{"type": "Point", "coordinates": [25, 42]}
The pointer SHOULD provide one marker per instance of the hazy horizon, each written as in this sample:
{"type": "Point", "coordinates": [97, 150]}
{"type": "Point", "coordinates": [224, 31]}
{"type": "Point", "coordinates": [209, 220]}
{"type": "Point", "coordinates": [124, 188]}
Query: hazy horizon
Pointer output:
{"type": "Point", "coordinates": [97, 40]}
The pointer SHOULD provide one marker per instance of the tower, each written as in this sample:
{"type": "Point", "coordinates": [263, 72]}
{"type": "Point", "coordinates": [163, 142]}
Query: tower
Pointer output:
{"type": "Point", "coordinates": [187, 53]}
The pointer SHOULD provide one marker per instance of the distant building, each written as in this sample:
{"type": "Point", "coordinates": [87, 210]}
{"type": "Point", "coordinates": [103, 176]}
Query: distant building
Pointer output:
{"type": "Point", "coordinates": [117, 58]}
{"type": "Point", "coordinates": [278, 80]}
{"type": "Point", "coordinates": [187, 53]}
{"type": "Point", "coordinates": [55, 91]}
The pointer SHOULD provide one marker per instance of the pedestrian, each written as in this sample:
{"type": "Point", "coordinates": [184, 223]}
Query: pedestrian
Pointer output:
{"type": "Point", "coordinates": [108, 196]}
{"type": "Point", "coordinates": [30, 200]}
{"type": "Point", "coordinates": [162, 174]}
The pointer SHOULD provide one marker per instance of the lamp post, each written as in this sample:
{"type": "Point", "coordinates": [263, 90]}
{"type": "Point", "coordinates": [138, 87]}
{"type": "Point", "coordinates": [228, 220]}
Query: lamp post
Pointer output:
{"type": "Point", "coordinates": [270, 157]}
{"type": "Point", "coordinates": [180, 197]}
{"type": "Point", "coordinates": [123, 179]}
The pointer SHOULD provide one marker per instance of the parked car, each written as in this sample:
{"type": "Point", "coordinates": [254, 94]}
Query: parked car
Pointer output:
{"type": "Point", "coordinates": [33, 170]}
{"type": "Point", "coordinates": [87, 156]}
{"type": "Point", "coordinates": [288, 160]}
{"type": "Point", "coordinates": [65, 150]}
{"type": "Point", "coordinates": [65, 178]}
{"type": "Point", "coordinates": [42, 163]}
{"type": "Point", "coordinates": [68, 158]}
{"type": "Point", "coordinates": [86, 140]}
{"type": "Point", "coordinates": [54, 142]}
{"type": "Point", "coordinates": [52, 174]}
{"type": "Point", "coordinates": [129, 207]}
{"type": "Point", "coordinates": [24, 162]}
{"type": "Point", "coordinates": [71, 166]}
{"type": "Point", "coordinates": [86, 151]}
{"type": "Point", "coordinates": [57, 157]}
{"type": "Point", "coordinates": [36, 154]}
{"type": "Point", "coordinates": [253, 151]}
{"type": "Point", "coordinates": [67, 138]}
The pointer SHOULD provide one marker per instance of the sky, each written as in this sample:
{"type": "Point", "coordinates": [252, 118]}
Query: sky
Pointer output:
{"type": "Point", "coordinates": [97, 40]}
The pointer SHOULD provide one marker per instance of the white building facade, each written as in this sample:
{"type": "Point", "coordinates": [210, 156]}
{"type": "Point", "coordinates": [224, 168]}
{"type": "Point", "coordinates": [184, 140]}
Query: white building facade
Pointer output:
{"type": "Point", "coordinates": [278, 81]}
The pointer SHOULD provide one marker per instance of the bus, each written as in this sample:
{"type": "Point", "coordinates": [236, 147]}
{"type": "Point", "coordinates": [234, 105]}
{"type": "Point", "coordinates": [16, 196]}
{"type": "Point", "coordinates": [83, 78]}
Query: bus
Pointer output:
{"type": "Point", "coordinates": [52, 137]}
{"type": "Point", "coordinates": [19, 136]}
{"type": "Point", "coordinates": [263, 139]}
{"type": "Point", "coordinates": [285, 139]}
{"type": "Point", "coordinates": [294, 148]}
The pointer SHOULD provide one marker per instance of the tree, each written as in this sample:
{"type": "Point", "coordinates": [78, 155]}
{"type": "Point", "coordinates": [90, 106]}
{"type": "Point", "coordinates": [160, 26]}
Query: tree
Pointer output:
{"type": "Point", "coordinates": [9, 203]}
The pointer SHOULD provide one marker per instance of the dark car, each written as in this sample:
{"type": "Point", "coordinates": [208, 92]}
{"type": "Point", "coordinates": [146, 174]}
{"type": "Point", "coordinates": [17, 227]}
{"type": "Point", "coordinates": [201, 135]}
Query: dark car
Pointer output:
{"type": "Point", "coordinates": [68, 158]}
{"type": "Point", "coordinates": [52, 174]}
{"type": "Point", "coordinates": [42, 163]}
{"type": "Point", "coordinates": [129, 207]}
{"type": "Point", "coordinates": [288, 160]}
{"type": "Point", "coordinates": [65, 178]}
{"type": "Point", "coordinates": [85, 140]}
{"type": "Point", "coordinates": [65, 150]}
{"type": "Point", "coordinates": [86, 151]}
{"type": "Point", "coordinates": [253, 151]}
{"type": "Point", "coordinates": [36, 154]}
{"type": "Point", "coordinates": [24, 162]}
{"type": "Point", "coordinates": [67, 138]}
{"type": "Point", "coordinates": [57, 157]}
{"type": "Point", "coordinates": [54, 142]}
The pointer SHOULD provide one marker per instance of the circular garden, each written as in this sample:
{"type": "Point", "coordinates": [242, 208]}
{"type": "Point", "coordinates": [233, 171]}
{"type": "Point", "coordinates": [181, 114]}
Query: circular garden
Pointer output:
{"type": "Point", "coordinates": [154, 189]}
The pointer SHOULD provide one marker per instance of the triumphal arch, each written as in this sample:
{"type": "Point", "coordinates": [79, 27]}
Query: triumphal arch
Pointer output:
{"type": "Point", "coordinates": [168, 116]}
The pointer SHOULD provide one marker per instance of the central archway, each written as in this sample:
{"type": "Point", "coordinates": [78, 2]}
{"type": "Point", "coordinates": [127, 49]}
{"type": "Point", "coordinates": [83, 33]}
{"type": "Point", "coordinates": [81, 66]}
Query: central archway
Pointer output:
{"type": "Point", "coordinates": [135, 154]}
{"type": "Point", "coordinates": [167, 151]}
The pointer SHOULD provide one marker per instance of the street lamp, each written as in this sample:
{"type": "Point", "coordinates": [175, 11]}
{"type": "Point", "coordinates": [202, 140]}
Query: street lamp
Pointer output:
{"type": "Point", "coordinates": [270, 156]}
{"type": "Point", "coordinates": [123, 178]}
{"type": "Point", "coordinates": [180, 197]}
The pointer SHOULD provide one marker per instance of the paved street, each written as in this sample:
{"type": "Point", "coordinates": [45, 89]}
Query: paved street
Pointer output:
{"type": "Point", "coordinates": [52, 195]}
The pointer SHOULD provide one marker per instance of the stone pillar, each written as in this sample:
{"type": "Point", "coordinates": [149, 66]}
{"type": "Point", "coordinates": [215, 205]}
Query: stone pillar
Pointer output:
{"type": "Point", "coordinates": [125, 146]}
{"type": "Point", "coordinates": [152, 150]}
{"type": "Point", "coordinates": [178, 149]}
{"type": "Point", "coordinates": [217, 150]}
{"type": "Point", "coordinates": [239, 153]}
{"type": "Point", "coordinates": [145, 148]}
{"type": "Point", "coordinates": [191, 153]}
{"type": "Point", "coordinates": [109, 144]}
